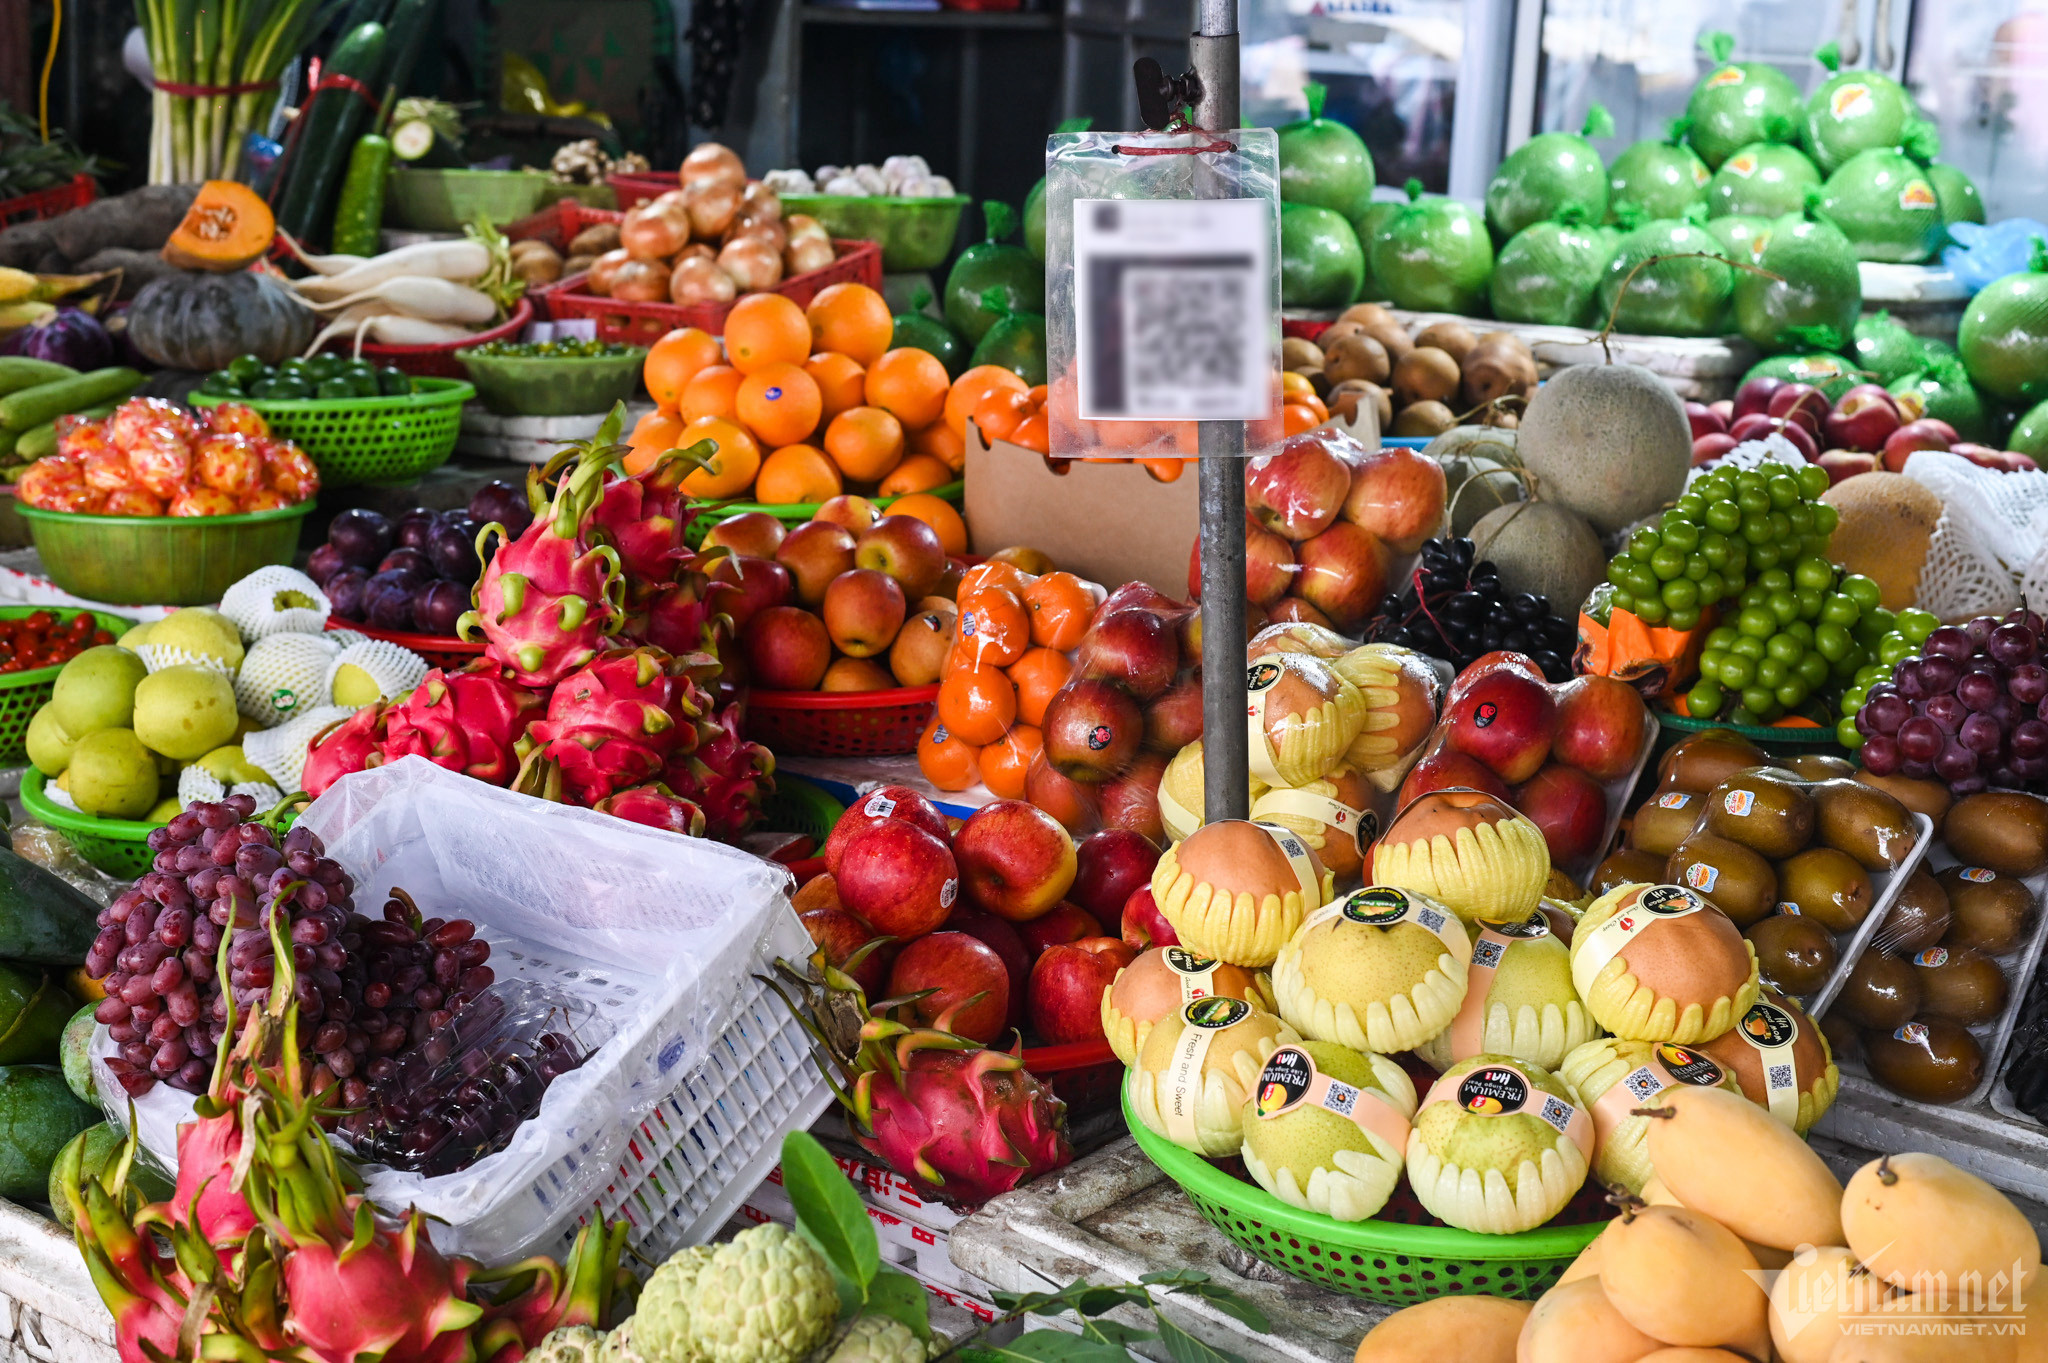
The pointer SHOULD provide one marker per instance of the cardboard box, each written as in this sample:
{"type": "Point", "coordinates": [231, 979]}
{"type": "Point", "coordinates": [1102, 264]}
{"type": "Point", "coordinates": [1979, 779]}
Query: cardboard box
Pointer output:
{"type": "Point", "coordinates": [920, 1251]}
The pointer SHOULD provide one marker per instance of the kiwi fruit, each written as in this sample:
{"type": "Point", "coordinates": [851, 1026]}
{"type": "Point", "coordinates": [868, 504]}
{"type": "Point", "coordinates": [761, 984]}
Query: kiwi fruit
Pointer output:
{"type": "Point", "coordinates": [1881, 992]}
{"type": "Point", "coordinates": [2004, 831]}
{"type": "Point", "coordinates": [1356, 356]}
{"type": "Point", "coordinates": [1665, 821]}
{"type": "Point", "coordinates": [1498, 369]}
{"type": "Point", "coordinates": [1990, 912]}
{"type": "Point", "coordinates": [1739, 882]}
{"type": "Point", "coordinates": [1930, 1060]}
{"type": "Point", "coordinates": [1455, 339]}
{"type": "Point", "coordinates": [1794, 953]}
{"type": "Point", "coordinates": [1365, 315]}
{"type": "Point", "coordinates": [1558, 919]}
{"type": "Point", "coordinates": [1767, 813]}
{"type": "Point", "coordinates": [1347, 397]}
{"type": "Point", "coordinates": [1392, 336]}
{"type": "Point", "coordinates": [1869, 824]}
{"type": "Point", "coordinates": [1298, 352]}
{"type": "Point", "coordinates": [1843, 1038]}
{"type": "Point", "coordinates": [1707, 759]}
{"type": "Point", "coordinates": [1961, 985]}
{"type": "Point", "coordinates": [1819, 766]}
{"type": "Point", "coordinates": [1826, 886]}
{"type": "Point", "coordinates": [1627, 866]}
{"type": "Point", "coordinates": [1921, 795]}
{"type": "Point", "coordinates": [1424, 374]}
{"type": "Point", "coordinates": [1919, 916]}
{"type": "Point", "coordinates": [1424, 420]}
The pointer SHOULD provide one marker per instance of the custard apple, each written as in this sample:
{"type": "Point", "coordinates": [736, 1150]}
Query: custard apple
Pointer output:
{"type": "Point", "coordinates": [766, 1297]}
{"type": "Point", "coordinates": [661, 1323]}
{"type": "Point", "coordinates": [877, 1339]}
{"type": "Point", "coordinates": [619, 1346]}
{"type": "Point", "coordinates": [573, 1344]}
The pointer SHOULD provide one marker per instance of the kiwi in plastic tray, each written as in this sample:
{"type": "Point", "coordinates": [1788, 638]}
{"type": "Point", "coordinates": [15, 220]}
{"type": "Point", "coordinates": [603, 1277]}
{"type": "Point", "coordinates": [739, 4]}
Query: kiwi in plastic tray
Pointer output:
{"type": "Point", "coordinates": [462, 1093]}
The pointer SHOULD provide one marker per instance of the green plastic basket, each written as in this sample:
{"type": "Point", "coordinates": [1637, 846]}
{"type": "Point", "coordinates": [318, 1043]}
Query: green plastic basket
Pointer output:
{"type": "Point", "coordinates": [800, 806]}
{"type": "Point", "coordinates": [24, 693]}
{"type": "Point", "coordinates": [1384, 1260]}
{"type": "Point", "coordinates": [369, 440]}
{"type": "Point", "coordinates": [795, 513]}
{"type": "Point", "coordinates": [553, 385]}
{"type": "Point", "coordinates": [1772, 738]}
{"type": "Point", "coordinates": [117, 846]}
{"type": "Point", "coordinates": [161, 560]}
{"type": "Point", "coordinates": [915, 234]}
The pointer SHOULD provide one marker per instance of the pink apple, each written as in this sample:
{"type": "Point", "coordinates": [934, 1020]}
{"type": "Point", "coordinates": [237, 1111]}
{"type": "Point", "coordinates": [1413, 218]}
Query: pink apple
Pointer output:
{"type": "Point", "coordinates": [1066, 989]}
{"type": "Point", "coordinates": [1143, 924]}
{"type": "Point", "coordinates": [1066, 923]}
{"type": "Point", "coordinates": [1600, 727]}
{"type": "Point", "coordinates": [1015, 860]}
{"type": "Point", "coordinates": [1704, 420]}
{"type": "Point", "coordinates": [1076, 807]}
{"type": "Point", "coordinates": [1723, 408]}
{"type": "Point", "coordinates": [1802, 404]}
{"type": "Point", "coordinates": [787, 649]}
{"type": "Point", "coordinates": [965, 974]}
{"type": "Point", "coordinates": [1108, 866]}
{"type": "Point", "coordinates": [1864, 419]}
{"type": "Point", "coordinates": [879, 804]}
{"type": "Point", "coordinates": [1757, 426]}
{"type": "Point", "coordinates": [1143, 595]}
{"type": "Point", "coordinates": [1754, 396]}
{"type": "Point", "coordinates": [1092, 730]}
{"type": "Point", "coordinates": [1133, 647]}
{"type": "Point", "coordinates": [1398, 494]}
{"type": "Point", "coordinates": [1268, 565]}
{"type": "Point", "coordinates": [898, 877]}
{"type": "Point", "coordinates": [1343, 574]}
{"type": "Point", "coordinates": [1926, 433]}
{"type": "Point", "coordinates": [841, 934]}
{"type": "Point", "coordinates": [1842, 464]}
{"type": "Point", "coordinates": [1444, 770]}
{"type": "Point", "coordinates": [743, 587]}
{"type": "Point", "coordinates": [1175, 719]}
{"type": "Point", "coordinates": [1506, 720]}
{"type": "Point", "coordinates": [1004, 941]}
{"type": "Point", "coordinates": [1712, 446]}
{"type": "Point", "coordinates": [1486, 664]}
{"type": "Point", "coordinates": [1568, 806]}
{"type": "Point", "coordinates": [1298, 491]}
{"type": "Point", "coordinates": [1131, 801]}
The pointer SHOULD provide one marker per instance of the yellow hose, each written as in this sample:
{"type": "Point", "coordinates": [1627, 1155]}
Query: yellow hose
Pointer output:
{"type": "Point", "coordinates": [49, 64]}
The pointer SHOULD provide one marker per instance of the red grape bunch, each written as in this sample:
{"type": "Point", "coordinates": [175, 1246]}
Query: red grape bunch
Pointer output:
{"type": "Point", "coordinates": [1971, 708]}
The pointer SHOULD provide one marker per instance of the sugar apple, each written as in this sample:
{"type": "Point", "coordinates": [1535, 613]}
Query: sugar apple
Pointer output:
{"type": "Point", "coordinates": [877, 1339]}
{"type": "Point", "coordinates": [766, 1296]}
{"type": "Point", "coordinates": [619, 1346]}
{"type": "Point", "coordinates": [661, 1323]}
{"type": "Point", "coordinates": [573, 1344]}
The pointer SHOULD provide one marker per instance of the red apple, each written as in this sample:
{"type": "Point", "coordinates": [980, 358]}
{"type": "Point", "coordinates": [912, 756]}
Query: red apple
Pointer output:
{"type": "Point", "coordinates": [1710, 447]}
{"type": "Point", "coordinates": [1092, 729]}
{"type": "Point", "coordinates": [753, 533]}
{"type": "Point", "coordinates": [1486, 664]}
{"type": "Point", "coordinates": [1298, 491]}
{"type": "Point", "coordinates": [1758, 426]}
{"type": "Point", "coordinates": [815, 553]}
{"type": "Point", "coordinates": [1445, 770]}
{"type": "Point", "coordinates": [841, 934]}
{"type": "Point", "coordinates": [1290, 610]}
{"type": "Point", "coordinates": [1066, 923]}
{"type": "Point", "coordinates": [1912, 403]}
{"type": "Point", "coordinates": [964, 973]}
{"type": "Point", "coordinates": [855, 513]}
{"type": "Point", "coordinates": [1004, 941]}
{"type": "Point", "coordinates": [1600, 727]}
{"type": "Point", "coordinates": [1076, 807]}
{"type": "Point", "coordinates": [1567, 805]}
{"type": "Point", "coordinates": [787, 649]}
{"type": "Point", "coordinates": [1864, 419]}
{"type": "Point", "coordinates": [1175, 719]}
{"type": "Point", "coordinates": [743, 587]}
{"type": "Point", "coordinates": [1398, 494]}
{"type": "Point", "coordinates": [906, 549]}
{"type": "Point", "coordinates": [1133, 647]}
{"type": "Point", "coordinates": [1507, 721]}
{"type": "Point", "coordinates": [879, 804]}
{"type": "Point", "coordinates": [863, 610]}
{"type": "Point", "coordinates": [1066, 989]}
{"type": "Point", "coordinates": [1926, 433]}
{"type": "Point", "coordinates": [898, 877]}
{"type": "Point", "coordinates": [1704, 420]}
{"type": "Point", "coordinates": [1802, 404]}
{"type": "Point", "coordinates": [1842, 464]}
{"type": "Point", "coordinates": [1343, 574]}
{"type": "Point", "coordinates": [1108, 866]}
{"type": "Point", "coordinates": [1142, 595]}
{"type": "Point", "coordinates": [1754, 396]}
{"type": "Point", "coordinates": [1143, 924]}
{"type": "Point", "coordinates": [1015, 860]}
{"type": "Point", "coordinates": [1131, 801]}
{"type": "Point", "coordinates": [1268, 564]}
{"type": "Point", "coordinates": [1723, 408]}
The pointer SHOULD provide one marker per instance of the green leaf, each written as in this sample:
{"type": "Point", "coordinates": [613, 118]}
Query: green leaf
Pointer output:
{"type": "Point", "coordinates": [828, 1210]}
{"type": "Point", "coordinates": [1225, 1300]}
{"type": "Point", "coordinates": [901, 1298]}
{"type": "Point", "coordinates": [1094, 1301]}
{"type": "Point", "coordinates": [1116, 1332]}
{"type": "Point", "coordinates": [1049, 1346]}
{"type": "Point", "coordinates": [1185, 1348]}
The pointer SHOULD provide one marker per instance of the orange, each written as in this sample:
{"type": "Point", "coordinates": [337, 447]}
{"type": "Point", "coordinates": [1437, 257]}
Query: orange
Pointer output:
{"type": "Point", "coordinates": [938, 439]}
{"type": "Point", "coordinates": [866, 442]}
{"type": "Point", "coordinates": [1061, 606]}
{"type": "Point", "coordinates": [852, 319]}
{"type": "Point", "coordinates": [1166, 470]}
{"type": "Point", "coordinates": [653, 436]}
{"type": "Point", "coordinates": [733, 463]}
{"type": "Point", "coordinates": [977, 704]}
{"type": "Point", "coordinates": [1038, 675]}
{"type": "Point", "coordinates": [937, 513]}
{"type": "Point", "coordinates": [764, 329]}
{"type": "Point", "coordinates": [1033, 434]}
{"type": "Point", "coordinates": [779, 404]}
{"type": "Point", "coordinates": [917, 473]}
{"type": "Point", "coordinates": [993, 574]}
{"type": "Point", "coordinates": [999, 412]}
{"type": "Point", "coordinates": [1294, 387]}
{"type": "Point", "coordinates": [674, 360]}
{"type": "Point", "coordinates": [910, 384]}
{"type": "Point", "coordinates": [840, 380]}
{"type": "Point", "coordinates": [796, 474]}
{"type": "Point", "coordinates": [994, 626]}
{"type": "Point", "coordinates": [969, 389]}
{"type": "Point", "coordinates": [711, 392]}
{"type": "Point", "coordinates": [945, 760]}
{"type": "Point", "coordinates": [1295, 418]}
{"type": "Point", "coordinates": [1004, 763]}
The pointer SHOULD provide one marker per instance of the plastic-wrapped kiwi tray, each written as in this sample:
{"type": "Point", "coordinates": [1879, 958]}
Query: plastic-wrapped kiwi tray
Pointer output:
{"type": "Point", "coordinates": [1887, 886]}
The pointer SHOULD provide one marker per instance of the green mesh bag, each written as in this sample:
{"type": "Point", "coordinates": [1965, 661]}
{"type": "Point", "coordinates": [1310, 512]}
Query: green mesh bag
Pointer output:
{"type": "Point", "coordinates": [1762, 180]}
{"type": "Point", "coordinates": [1549, 273]}
{"type": "Point", "coordinates": [1320, 263]}
{"type": "Point", "coordinates": [1433, 255]}
{"type": "Point", "coordinates": [1884, 204]}
{"type": "Point", "coordinates": [1738, 103]}
{"type": "Point", "coordinates": [1656, 178]}
{"type": "Point", "coordinates": [1322, 162]}
{"type": "Point", "coordinates": [1687, 296]}
{"type": "Point", "coordinates": [1887, 349]}
{"type": "Point", "coordinates": [2003, 340]}
{"type": "Point", "coordinates": [1852, 112]}
{"type": "Point", "coordinates": [1814, 302]}
{"type": "Point", "coordinates": [1548, 175]}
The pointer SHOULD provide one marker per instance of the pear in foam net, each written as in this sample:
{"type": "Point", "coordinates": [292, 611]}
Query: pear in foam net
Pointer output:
{"type": "Point", "coordinates": [1197, 1069]}
{"type": "Point", "coordinates": [1469, 850]}
{"type": "Point", "coordinates": [1326, 1128]}
{"type": "Point", "coordinates": [1616, 1078]}
{"type": "Point", "coordinates": [1402, 692]}
{"type": "Point", "coordinates": [1379, 970]}
{"type": "Point", "coordinates": [1161, 982]}
{"type": "Point", "coordinates": [1236, 890]}
{"type": "Point", "coordinates": [1661, 963]}
{"type": "Point", "coordinates": [1334, 816]}
{"type": "Point", "coordinates": [1302, 718]}
{"type": "Point", "coordinates": [1181, 798]}
{"type": "Point", "coordinates": [1519, 998]}
{"type": "Point", "coordinates": [1780, 1059]}
{"type": "Point", "coordinates": [1498, 1145]}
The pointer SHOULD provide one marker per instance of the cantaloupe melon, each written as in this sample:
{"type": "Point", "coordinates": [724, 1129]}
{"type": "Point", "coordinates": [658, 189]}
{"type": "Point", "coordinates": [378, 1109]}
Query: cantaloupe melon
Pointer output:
{"type": "Point", "coordinates": [1886, 522]}
{"type": "Point", "coordinates": [1543, 548]}
{"type": "Point", "coordinates": [1481, 472]}
{"type": "Point", "coordinates": [1609, 441]}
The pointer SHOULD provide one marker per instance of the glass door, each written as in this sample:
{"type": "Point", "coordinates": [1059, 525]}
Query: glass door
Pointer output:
{"type": "Point", "coordinates": [1979, 69]}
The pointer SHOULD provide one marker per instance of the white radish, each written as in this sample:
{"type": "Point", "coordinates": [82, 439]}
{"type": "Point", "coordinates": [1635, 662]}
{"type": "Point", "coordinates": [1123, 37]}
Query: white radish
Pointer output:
{"type": "Point", "coordinates": [452, 260]}
{"type": "Point", "coordinates": [392, 329]}
{"type": "Point", "coordinates": [325, 265]}
{"type": "Point", "coordinates": [433, 300]}
{"type": "Point", "coordinates": [351, 319]}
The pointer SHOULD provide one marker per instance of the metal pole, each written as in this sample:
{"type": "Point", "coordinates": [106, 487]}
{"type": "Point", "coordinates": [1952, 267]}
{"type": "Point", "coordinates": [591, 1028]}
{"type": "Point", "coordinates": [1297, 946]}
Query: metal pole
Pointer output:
{"type": "Point", "coordinates": [1226, 789]}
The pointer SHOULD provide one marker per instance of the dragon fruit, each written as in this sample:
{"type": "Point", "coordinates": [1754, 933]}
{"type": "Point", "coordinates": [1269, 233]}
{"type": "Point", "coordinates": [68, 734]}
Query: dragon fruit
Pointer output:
{"type": "Point", "coordinates": [655, 805]}
{"type": "Point", "coordinates": [726, 776]}
{"type": "Point", "coordinates": [548, 600]}
{"type": "Point", "coordinates": [469, 721]}
{"type": "Point", "coordinates": [641, 515]}
{"type": "Point", "coordinates": [350, 746]}
{"type": "Point", "coordinates": [616, 721]}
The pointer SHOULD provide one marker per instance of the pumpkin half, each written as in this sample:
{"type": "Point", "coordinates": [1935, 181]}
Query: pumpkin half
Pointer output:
{"type": "Point", "coordinates": [227, 228]}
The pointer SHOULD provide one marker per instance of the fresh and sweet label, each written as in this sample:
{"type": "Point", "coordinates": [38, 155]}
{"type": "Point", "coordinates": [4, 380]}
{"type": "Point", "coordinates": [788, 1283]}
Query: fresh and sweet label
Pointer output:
{"type": "Point", "coordinates": [1181, 1094]}
{"type": "Point", "coordinates": [1291, 1080]}
{"type": "Point", "coordinates": [1197, 974]}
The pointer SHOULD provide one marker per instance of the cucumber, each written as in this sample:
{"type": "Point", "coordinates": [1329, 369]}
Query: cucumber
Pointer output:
{"type": "Point", "coordinates": [326, 133]}
{"type": "Point", "coordinates": [412, 139]}
{"type": "Point", "coordinates": [33, 1010]}
{"type": "Point", "coordinates": [43, 921]}
{"type": "Point", "coordinates": [361, 210]}
{"type": "Point", "coordinates": [37, 441]}
{"type": "Point", "coordinates": [47, 401]}
{"type": "Point", "coordinates": [96, 1148]}
{"type": "Point", "coordinates": [19, 371]}
{"type": "Point", "coordinates": [38, 1118]}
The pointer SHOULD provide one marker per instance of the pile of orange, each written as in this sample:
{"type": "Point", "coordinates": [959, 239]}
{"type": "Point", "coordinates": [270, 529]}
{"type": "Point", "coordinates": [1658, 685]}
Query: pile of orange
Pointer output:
{"type": "Point", "coordinates": [1300, 408]}
{"type": "Point", "coordinates": [1011, 654]}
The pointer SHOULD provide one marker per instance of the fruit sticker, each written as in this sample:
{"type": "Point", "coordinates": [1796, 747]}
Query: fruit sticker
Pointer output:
{"type": "Point", "coordinates": [1493, 1090]}
{"type": "Point", "coordinates": [1468, 1029]}
{"type": "Point", "coordinates": [1383, 906]}
{"type": "Point", "coordinates": [1739, 802]}
{"type": "Point", "coordinates": [1850, 101]}
{"type": "Point", "coordinates": [878, 806]}
{"type": "Point", "coordinates": [1918, 196]}
{"type": "Point", "coordinates": [1359, 825]}
{"type": "Point", "coordinates": [1259, 680]}
{"type": "Point", "coordinates": [1214, 1014]}
{"type": "Point", "coordinates": [1291, 1080]}
{"type": "Point", "coordinates": [1182, 1092]}
{"type": "Point", "coordinates": [1787, 906]}
{"type": "Point", "coordinates": [1727, 75]}
{"type": "Point", "coordinates": [1635, 914]}
{"type": "Point", "coordinates": [1914, 1033]}
{"type": "Point", "coordinates": [1486, 713]}
{"type": "Point", "coordinates": [1933, 956]}
{"type": "Point", "coordinates": [1687, 1066]}
{"type": "Point", "coordinates": [1814, 369]}
{"type": "Point", "coordinates": [1977, 875]}
{"type": "Point", "coordinates": [1668, 1066]}
{"type": "Point", "coordinates": [1197, 974]}
{"type": "Point", "coordinates": [1669, 901]}
{"type": "Point", "coordinates": [1701, 876]}
{"type": "Point", "coordinates": [1674, 799]}
{"type": "Point", "coordinates": [1772, 1030]}
{"type": "Point", "coordinates": [1699, 174]}
{"type": "Point", "coordinates": [948, 892]}
{"type": "Point", "coordinates": [1378, 907]}
{"type": "Point", "coordinates": [1100, 737]}
{"type": "Point", "coordinates": [1742, 163]}
{"type": "Point", "coordinates": [1504, 1091]}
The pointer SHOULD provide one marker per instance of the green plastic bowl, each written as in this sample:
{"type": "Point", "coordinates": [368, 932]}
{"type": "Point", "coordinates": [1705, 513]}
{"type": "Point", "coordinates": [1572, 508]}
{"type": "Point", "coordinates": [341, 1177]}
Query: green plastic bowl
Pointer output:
{"type": "Point", "coordinates": [161, 560]}
{"type": "Point", "coordinates": [915, 234]}
{"type": "Point", "coordinates": [117, 846]}
{"type": "Point", "coordinates": [800, 806]}
{"type": "Point", "coordinates": [24, 693]}
{"type": "Point", "coordinates": [552, 385]}
{"type": "Point", "coordinates": [1384, 1260]}
{"type": "Point", "coordinates": [449, 200]}
{"type": "Point", "coordinates": [796, 513]}
{"type": "Point", "coordinates": [368, 440]}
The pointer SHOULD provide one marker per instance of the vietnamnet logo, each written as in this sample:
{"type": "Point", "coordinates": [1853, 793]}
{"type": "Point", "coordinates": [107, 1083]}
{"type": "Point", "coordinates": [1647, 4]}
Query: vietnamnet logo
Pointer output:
{"type": "Point", "coordinates": [1828, 1291]}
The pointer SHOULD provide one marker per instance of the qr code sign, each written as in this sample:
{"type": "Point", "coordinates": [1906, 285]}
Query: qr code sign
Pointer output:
{"type": "Point", "coordinates": [1780, 1077]}
{"type": "Point", "coordinates": [1343, 1098]}
{"type": "Point", "coordinates": [1186, 331]}
{"type": "Point", "coordinates": [1643, 1084]}
{"type": "Point", "coordinates": [1557, 1112]}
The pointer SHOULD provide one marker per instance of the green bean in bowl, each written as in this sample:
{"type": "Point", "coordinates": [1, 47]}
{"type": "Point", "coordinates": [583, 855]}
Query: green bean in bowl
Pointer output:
{"type": "Point", "coordinates": [552, 378]}
{"type": "Point", "coordinates": [568, 350]}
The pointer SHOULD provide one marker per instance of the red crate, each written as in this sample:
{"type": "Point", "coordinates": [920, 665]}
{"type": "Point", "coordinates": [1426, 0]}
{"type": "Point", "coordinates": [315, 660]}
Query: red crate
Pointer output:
{"type": "Point", "coordinates": [633, 189]}
{"type": "Point", "coordinates": [840, 723]}
{"type": "Point", "coordinates": [49, 203]}
{"type": "Point", "coordinates": [559, 222]}
{"type": "Point", "coordinates": [858, 262]}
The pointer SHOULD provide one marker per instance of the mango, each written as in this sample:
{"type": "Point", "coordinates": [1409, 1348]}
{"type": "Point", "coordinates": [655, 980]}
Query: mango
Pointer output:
{"type": "Point", "coordinates": [1726, 1158]}
{"type": "Point", "coordinates": [1682, 1278]}
{"type": "Point", "coordinates": [1575, 1323]}
{"type": "Point", "coordinates": [1812, 1294]}
{"type": "Point", "coordinates": [1470, 1329]}
{"type": "Point", "coordinates": [1922, 1224]}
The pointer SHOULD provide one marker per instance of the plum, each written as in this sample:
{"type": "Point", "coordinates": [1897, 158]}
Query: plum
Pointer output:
{"type": "Point", "coordinates": [414, 561]}
{"type": "Point", "coordinates": [361, 536]}
{"type": "Point", "coordinates": [452, 547]}
{"type": "Point", "coordinates": [504, 503]}
{"type": "Point", "coordinates": [345, 591]}
{"type": "Point", "coordinates": [414, 527]}
{"type": "Point", "coordinates": [436, 606]}
{"type": "Point", "coordinates": [387, 599]}
{"type": "Point", "coordinates": [324, 562]}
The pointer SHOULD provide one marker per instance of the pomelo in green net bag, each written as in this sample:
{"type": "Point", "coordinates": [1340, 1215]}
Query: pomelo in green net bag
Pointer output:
{"type": "Point", "coordinates": [1687, 296]}
{"type": "Point", "coordinates": [1944, 387]}
{"type": "Point", "coordinates": [1884, 204]}
{"type": "Point", "coordinates": [1740, 234]}
{"type": "Point", "coordinates": [1853, 111]}
{"type": "Point", "coordinates": [1365, 223]}
{"type": "Point", "coordinates": [2003, 340]}
{"type": "Point", "coordinates": [1433, 255]}
{"type": "Point", "coordinates": [920, 330]}
{"type": "Point", "coordinates": [1886, 348]}
{"type": "Point", "coordinates": [1016, 341]}
{"type": "Point", "coordinates": [1960, 201]}
{"type": "Point", "coordinates": [1762, 180]}
{"type": "Point", "coordinates": [2030, 434]}
{"type": "Point", "coordinates": [1738, 103]}
{"type": "Point", "coordinates": [1321, 265]}
{"type": "Point", "coordinates": [1549, 174]}
{"type": "Point", "coordinates": [1832, 374]}
{"type": "Point", "coordinates": [1034, 202]}
{"type": "Point", "coordinates": [991, 264]}
{"type": "Point", "coordinates": [1549, 273]}
{"type": "Point", "coordinates": [1324, 163]}
{"type": "Point", "coordinates": [1814, 302]}
{"type": "Point", "coordinates": [1655, 178]}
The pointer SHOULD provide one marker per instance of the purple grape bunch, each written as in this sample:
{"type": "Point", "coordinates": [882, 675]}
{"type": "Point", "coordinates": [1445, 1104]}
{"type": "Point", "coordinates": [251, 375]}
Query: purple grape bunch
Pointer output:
{"type": "Point", "coordinates": [1970, 709]}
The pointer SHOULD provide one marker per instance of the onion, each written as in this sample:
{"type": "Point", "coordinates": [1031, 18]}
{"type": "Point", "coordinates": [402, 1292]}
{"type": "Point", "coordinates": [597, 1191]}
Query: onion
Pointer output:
{"type": "Point", "coordinates": [654, 231]}
{"type": "Point", "coordinates": [672, 197]}
{"type": "Point", "coordinates": [712, 208]}
{"type": "Point", "coordinates": [769, 230]}
{"type": "Point", "coordinates": [605, 270]}
{"type": "Point", "coordinates": [760, 201]}
{"type": "Point", "coordinates": [753, 264]}
{"type": "Point", "coordinates": [698, 279]}
{"type": "Point", "coordinates": [812, 253]}
{"type": "Point", "coordinates": [640, 281]}
{"type": "Point", "coordinates": [701, 249]}
{"type": "Point", "coordinates": [802, 225]}
{"type": "Point", "coordinates": [710, 162]}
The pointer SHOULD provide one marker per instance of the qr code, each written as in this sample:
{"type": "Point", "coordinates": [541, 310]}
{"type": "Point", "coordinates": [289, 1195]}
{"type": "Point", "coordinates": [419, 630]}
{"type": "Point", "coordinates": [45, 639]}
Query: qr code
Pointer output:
{"type": "Point", "coordinates": [1780, 1077]}
{"type": "Point", "coordinates": [1341, 1098]}
{"type": "Point", "coordinates": [1185, 330]}
{"type": "Point", "coordinates": [1557, 1112]}
{"type": "Point", "coordinates": [1643, 1084]}
{"type": "Point", "coordinates": [1487, 954]}
{"type": "Point", "coordinates": [1430, 918]}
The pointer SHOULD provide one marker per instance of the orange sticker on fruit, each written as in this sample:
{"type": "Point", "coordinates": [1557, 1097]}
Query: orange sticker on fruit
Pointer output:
{"type": "Point", "coordinates": [1727, 75]}
{"type": "Point", "coordinates": [1181, 1093]}
{"type": "Point", "coordinates": [1259, 681]}
{"type": "Point", "coordinates": [1468, 1028]}
{"type": "Point", "coordinates": [1739, 802]}
{"type": "Point", "coordinates": [1639, 911]}
{"type": "Point", "coordinates": [1849, 101]}
{"type": "Point", "coordinates": [1504, 1091]}
{"type": "Point", "coordinates": [1669, 1066]}
{"type": "Point", "coordinates": [1291, 1080]}
{"type": "Point", "coordinates": [1742, 163]}
{"type": "Point", "coordinates": [1673, 799]}
{"type": "Point", "coordinates": [1772, 1030]}
{"type": "Point", "coordinates": [1918, 196]}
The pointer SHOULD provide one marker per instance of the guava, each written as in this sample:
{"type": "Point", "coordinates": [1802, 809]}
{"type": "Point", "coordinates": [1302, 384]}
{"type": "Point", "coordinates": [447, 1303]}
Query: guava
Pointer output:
{"type": "Point", "coordinates": [112, 775]}
{"type": "Point", "coordinates": [202, 632]}
{"type": "Point", "coordinates": [96, 690]}
{"type": "Point", "coordinates": [49, 743]}
{"type": "Point", "coordinates": [185, 711]}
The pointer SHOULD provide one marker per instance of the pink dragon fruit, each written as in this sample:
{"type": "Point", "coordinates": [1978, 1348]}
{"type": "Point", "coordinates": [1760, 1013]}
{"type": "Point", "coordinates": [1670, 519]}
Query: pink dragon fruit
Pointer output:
{"type": "Point", "coordinates": [142, 1285]}
{"type": "Point", "coordinates": [616, 721]}
{"type": "Point", "coordinates": [726, 776]}
{"type": "Point", "coordinates": [470, 721]}
{"type": "Point", "coordinates": [655, 805]}
{"type": "Point", "coordinates": [641, 515]}
{"type": "Point", "coordinates": [352, 745]}
{"type": "Point", "coordinates": [674, 616]}
{"type": "Point", "coordinates": [549, 600]}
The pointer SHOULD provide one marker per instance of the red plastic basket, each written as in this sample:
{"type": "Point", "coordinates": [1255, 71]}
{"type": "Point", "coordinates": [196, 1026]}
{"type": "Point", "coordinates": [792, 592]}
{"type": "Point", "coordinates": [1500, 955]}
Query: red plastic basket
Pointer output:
{"type": "Point", "coordinates": [840, 723]}
{"type": "Point", "coordinates": [438, 649]}
{"type": "Point", "coordinates": [857, 262]}
{"type": "Point", "coordinates": [559, 222]}
{"type": "Point", "coordinates": [39, 204]}
{"type": "Point", "coordinates": [438, 361]}
{"type": "Point", "coordinates": [1085, 1074]}
{"type": "Point", "coordinates": [634, 189]}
